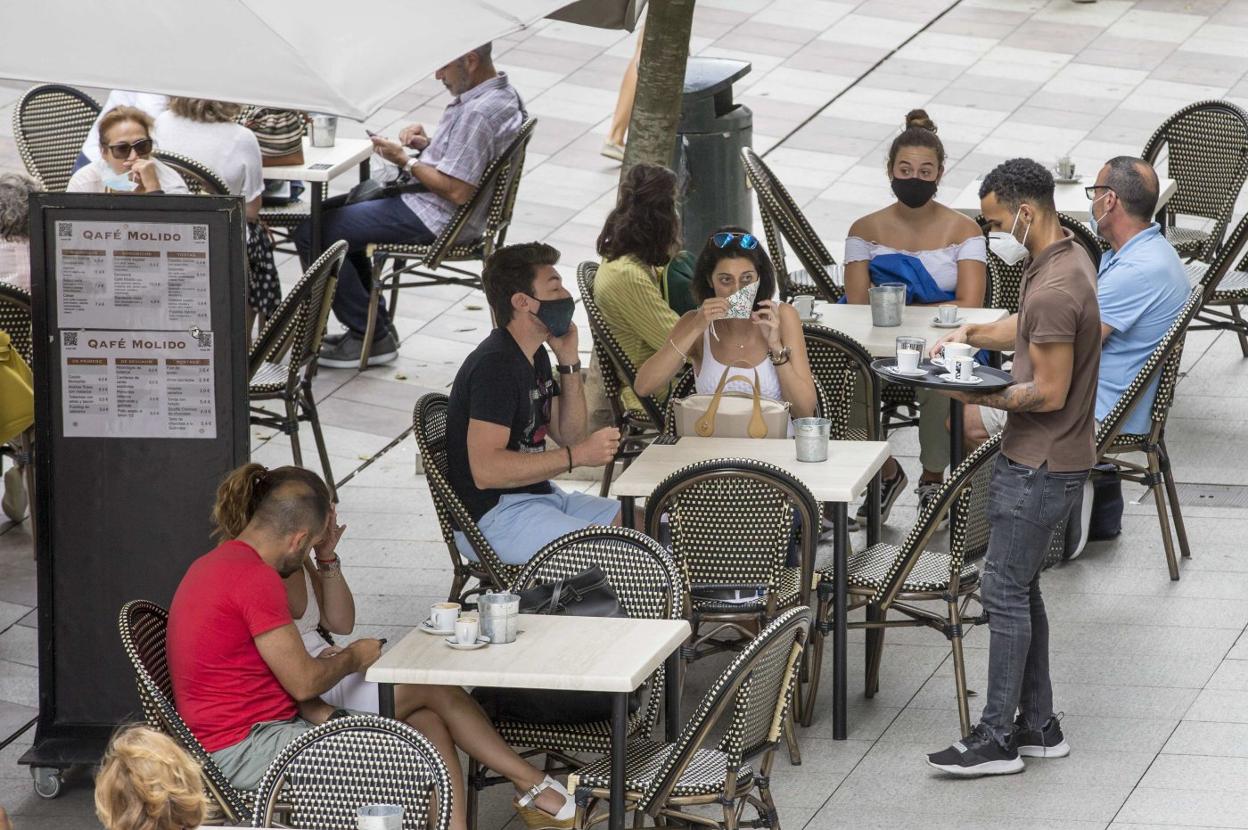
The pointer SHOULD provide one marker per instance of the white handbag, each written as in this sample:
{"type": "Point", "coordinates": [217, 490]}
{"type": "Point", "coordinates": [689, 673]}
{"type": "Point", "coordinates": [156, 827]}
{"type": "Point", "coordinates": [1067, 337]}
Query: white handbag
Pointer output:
{"type": "Point", "coordinates": [732, 414]}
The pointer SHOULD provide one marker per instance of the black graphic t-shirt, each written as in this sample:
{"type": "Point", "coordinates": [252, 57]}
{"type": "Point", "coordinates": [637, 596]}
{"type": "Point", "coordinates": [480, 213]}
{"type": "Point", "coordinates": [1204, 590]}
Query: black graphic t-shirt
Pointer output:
{"type": "Point", "coordinates": [496, 384]}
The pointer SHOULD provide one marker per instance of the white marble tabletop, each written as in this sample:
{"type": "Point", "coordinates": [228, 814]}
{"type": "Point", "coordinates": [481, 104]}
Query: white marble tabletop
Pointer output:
{"type": "Point", "coordinates": [842, 478]}
{"type": "Point", "coordinates": [323, 164]}
{"type": "Point", "coordinates": [916, 321]}
{"type": "Point", "coordinates": [1070, 198]}
{"type": "Point", "coordinates": [588, 654]}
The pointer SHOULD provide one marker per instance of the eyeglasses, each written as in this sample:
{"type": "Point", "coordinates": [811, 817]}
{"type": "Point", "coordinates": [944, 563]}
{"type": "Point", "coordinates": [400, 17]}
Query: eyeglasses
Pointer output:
{"type": "Point", "coordinates": [121, 152]}
{"type": "Point", "coordinates": [725, 238]}
{"type": "Point", "coordinates": [1090, 190]}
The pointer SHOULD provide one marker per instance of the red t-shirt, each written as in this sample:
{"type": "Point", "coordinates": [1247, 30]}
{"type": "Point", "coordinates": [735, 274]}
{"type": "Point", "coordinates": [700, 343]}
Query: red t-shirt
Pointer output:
{"type": "Point", "coordinates": [221, 685]}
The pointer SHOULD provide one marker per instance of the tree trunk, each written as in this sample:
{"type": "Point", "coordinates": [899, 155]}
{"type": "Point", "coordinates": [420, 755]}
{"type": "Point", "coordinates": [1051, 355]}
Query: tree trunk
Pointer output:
{"type": "Point", "coordinates": [660, 80]}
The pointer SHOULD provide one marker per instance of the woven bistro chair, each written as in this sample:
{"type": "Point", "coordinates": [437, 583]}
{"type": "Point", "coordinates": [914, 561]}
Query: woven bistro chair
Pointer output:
{"type": "Point", "coordinates": [731, 521]}
{"type": "Point", "coordinates": [281, 363]}
{"type": "Point", "coordinates": [892, 577]}
{"type": "Point", "coordinates": [495, 196]}
{"type": "Point", "coordinates": [783, 221]}
{"type": "Point", "coordinates": [1224, 286]}
{"type": "Point", "coordinates": [650, 585]}
{"type": "Point", "coordinates": [617, 371]}
{"type": "Point", "coordinates": [1162, 367]}
{"type": "Point", "coordinates": [143, 626]}
{"type": "Point", "coordinates": [1206, 146]}
{"type": "Point", "coordinates": [15, 321]}
{"type": "Point", "coordinates": [50, 124]}
{"type": "Point", "coordinates": [200, 178]}
{"type": "Point", "coordinates": [491, 573]}
{"type": "Point", "coordinates": [321, 779]}
{"type": "Point", "coordinates": [754, 695]}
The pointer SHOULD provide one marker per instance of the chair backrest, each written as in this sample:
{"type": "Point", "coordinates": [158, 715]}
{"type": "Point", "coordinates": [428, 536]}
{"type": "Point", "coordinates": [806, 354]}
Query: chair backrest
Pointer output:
{"type": "Point", "coordinates": [1207, 156]}
{"type": "Point", "coordinates": [966, 487]}
{"type": "Point", "coordinates": [1085, 237]}
{"type": "Point", "coordinates": [143, 626]}
{"type": "Point", "coordinates": [429, 425]}
{"type": "Point", "coordinates": [321, 779]}
{"type": "Point", "coordinates": [1005, 281]}
{"type": "Point", "coordinates": [200, 178]}
{"type": "Point", "coordinates": [842, 367]}
{"type": "Point", "coordinates": [495, 194]}
{"type": "Point", "coordinates": [296, 328]}
{"type": "Point", "coordinates": [755, 690]}
{"type": "Point", "coordinates": [731, 521]}
{"type": "Point", "coordinates": [1164, 362]}
{"type": "Point", "coordinates": [783, 221]}
{"type": "Point", "coordinates": [1224, 260]}
{"type": "Point", "coordinates": [50, 125]}
{"type": "Point", "coordinates": [612, 361]}
{"type": "Point", "coordinates": [15, 319]}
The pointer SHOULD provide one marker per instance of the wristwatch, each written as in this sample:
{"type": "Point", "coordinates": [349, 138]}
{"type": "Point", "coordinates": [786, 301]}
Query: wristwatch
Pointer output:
{"type": "Point", "coordinates": [781, 358]}
{"type": "Point", "coordinates": [411, 163]}
{"type": "Point", "coordinates": [569, 370]}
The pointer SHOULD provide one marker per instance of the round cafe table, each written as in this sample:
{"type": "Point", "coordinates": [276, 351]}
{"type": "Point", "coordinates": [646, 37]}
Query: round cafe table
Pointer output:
{"type": "Point", "coordinates": [992, 379]}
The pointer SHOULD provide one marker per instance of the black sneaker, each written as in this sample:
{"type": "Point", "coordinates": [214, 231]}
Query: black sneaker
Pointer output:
{"type": "Point", "coordinates": [890, 490]}
{"type": "Point", "coordinates": [926, 491]}
{"type": "Point", "coordinates": [345, 354]}
{"type": "Point", "coordinates": [979, 753]}
{"type": "Point", "coordinates": [1047, 742]}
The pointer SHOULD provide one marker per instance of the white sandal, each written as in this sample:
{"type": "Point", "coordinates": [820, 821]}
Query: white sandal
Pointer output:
{"type": "Point", "coordinates": [535, 818]}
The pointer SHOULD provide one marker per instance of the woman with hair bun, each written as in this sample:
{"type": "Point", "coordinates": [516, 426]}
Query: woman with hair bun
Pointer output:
{"type": "Point", "coordinates": [941, 257]}
{"type": "Point", "coordinates": [147, 782]}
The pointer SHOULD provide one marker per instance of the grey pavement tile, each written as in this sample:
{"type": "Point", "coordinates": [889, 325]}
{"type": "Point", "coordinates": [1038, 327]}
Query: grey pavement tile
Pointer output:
{"type": "Point", "coordinates": [1169, 808]}
{"type": "Point", "coordinates": [1193, 737]}
{"type": "Point", "coordinates": [1051, 37]}
{"type": "Point", "coordinates": [1197, 773]}
{"type": "Point", "coordinates": [916, 816]}
{"type": "Point", "coordinates": [19, 683]}
{"type": "Point", "coordinates": [19, 644]}
{"type": "Point", "coordinates": [363, 417]}
{"type": "Point", "coordinates": [11, 612]}
{"type": "Point", "coordinates": [1069, 119]}
{"type": "Point", "coordinates": [934, 729]}
{"type": "Point", "coordinates": [1220, 706]}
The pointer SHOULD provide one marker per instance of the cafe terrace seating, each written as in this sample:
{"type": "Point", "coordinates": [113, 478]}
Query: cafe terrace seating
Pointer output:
{"type": "Point", "coordinates": [50, 125]}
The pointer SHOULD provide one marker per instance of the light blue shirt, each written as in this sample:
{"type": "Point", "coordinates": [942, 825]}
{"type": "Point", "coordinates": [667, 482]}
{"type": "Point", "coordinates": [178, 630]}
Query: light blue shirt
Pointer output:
{"type": "Point", "coordinates": [1141, 288]}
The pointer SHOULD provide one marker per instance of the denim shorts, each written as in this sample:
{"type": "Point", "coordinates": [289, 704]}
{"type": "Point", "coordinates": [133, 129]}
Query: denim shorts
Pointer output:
{"type": "Point", "coordinates": [521, 524]}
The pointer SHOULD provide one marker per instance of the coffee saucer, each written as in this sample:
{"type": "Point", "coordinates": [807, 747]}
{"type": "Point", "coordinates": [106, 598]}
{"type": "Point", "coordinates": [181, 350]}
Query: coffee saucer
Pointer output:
{"type": "Point", "coordinates": [814, 318]}
{"type": "Point", "coordinates": [482, 642]}
{"type": "Point", "coordinates": [914, 373]}
{"type": "Point", "coordinates": [1059, 180]}
{"type": "Point", "coordinates": [939, 360]}
{"type": "Point", "coordinates": [427, 628]}
{"type": "Point", "coordinates": [949, 377]}
{"type": "Point", "coordinates": [955, 324]}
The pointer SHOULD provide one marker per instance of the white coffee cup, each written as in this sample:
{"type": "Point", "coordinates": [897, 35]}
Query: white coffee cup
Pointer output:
{"type": "Point", "coordinates": [466, 629]}
{"type": "Point", "coordinates": [379, 817]}
{"type": "Point", "coordinates": [443, 615]}
{"type": "Point", "coordinates": [805, 305]}
{"type": "Point", "coordinates": [955, 350]}
{"type": "Point", "coordinates": [908, 360]}
{"type": "Point", "coordinates": [963, 368]}
{"type": "Point", "coordinates": [948, 314]}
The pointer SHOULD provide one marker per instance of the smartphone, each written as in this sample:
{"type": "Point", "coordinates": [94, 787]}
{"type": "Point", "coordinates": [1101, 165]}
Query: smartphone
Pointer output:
{"type": "Point", "coordinates": [370, 133]}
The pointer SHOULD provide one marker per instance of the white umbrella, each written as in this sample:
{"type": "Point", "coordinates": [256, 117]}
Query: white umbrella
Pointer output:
{"type": "Point", "coordinates": [604, 14]}
{"type": "Point", "coordinates": [346, 58]}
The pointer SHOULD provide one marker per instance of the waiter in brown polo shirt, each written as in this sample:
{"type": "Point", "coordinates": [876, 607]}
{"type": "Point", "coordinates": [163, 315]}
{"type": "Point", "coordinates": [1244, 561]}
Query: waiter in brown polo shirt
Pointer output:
{"type": "Point", "coordinates": [1047, 448]}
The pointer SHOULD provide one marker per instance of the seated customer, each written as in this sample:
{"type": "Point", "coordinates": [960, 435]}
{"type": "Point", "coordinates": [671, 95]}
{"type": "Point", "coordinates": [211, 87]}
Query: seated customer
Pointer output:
{"type": "Point", "coordinates": [147, 782]}
{"type": "Point", "coordinates": [151, 103]}
{"type": "Point", "coordinates": [207, 132]}
{"type": "Point", "coordinates": [230, 628]}
{"type": "Point", "coordinates": [940, 255]}
{"type": "Point", "coordinates": [770, 340]}
{"type": "Point", "coordinates": [1141, 287]}
{"type": "Point", "coordinates": [476, 127]}
{"type": "Point", "coordinates": [504, 402]}
{"type": "Point", "coordinates": [125, 164]}
{"type": "Point", "coordinates": [639, 238]}
{"type": "Point", "coordinates": [15, 190]}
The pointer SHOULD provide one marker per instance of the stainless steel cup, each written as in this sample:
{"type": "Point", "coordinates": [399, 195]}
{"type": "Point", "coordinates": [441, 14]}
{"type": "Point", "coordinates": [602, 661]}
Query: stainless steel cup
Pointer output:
{"type": "Point", "coordinates": [811, 436]}
{"type": "Point", "coordinates": [500, 616]}
{"type": "Point", "coordinates": [379, 817]}
{"type": "Point", "coordinates": [887, 301]}
{"type": "Point", "coordinates": [324, 129]}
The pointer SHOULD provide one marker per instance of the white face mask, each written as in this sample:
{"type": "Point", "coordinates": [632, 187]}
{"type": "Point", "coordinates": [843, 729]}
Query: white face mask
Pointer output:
{"type": "Point", "coordinates": [1093, 223]}
{"type": "Point", "coordinates": [1006, 246]}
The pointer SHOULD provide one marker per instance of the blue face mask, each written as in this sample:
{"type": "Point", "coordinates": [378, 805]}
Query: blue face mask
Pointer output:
{"type": "Point", "coordinates": [1092, 223]}
{"type": "Point", "coordinates": [119, 182]}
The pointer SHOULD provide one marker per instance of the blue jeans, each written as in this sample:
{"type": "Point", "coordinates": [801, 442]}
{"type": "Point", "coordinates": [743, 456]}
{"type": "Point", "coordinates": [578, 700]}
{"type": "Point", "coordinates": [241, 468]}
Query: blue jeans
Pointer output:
{"type": "Point", "coordinates": [361, 224]}
{"type": "Point", "coordinates": [1024, 507]}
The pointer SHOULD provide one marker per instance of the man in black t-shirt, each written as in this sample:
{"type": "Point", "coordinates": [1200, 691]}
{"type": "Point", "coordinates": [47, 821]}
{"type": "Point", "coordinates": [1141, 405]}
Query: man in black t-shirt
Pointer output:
{"type": "Point", "coordinates": [504, 403]}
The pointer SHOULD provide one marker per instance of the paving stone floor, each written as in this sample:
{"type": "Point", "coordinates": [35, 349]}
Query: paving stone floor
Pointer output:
{"type": "Point", "coordinates": [1152, 675]}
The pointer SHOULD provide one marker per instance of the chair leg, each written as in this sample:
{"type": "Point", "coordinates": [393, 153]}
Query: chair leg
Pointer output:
{"type": "Point", "coordinates": [473, 796]}
{"type": "Point", "coordinates": [959, 665]}
{"type": "Point", "coordinates": [1241, 329]}
{"type": "Point", "coordinates": [1172, 492]}
{"type": "Point", "coordinates": [370, 327]}
{"type": "Point", "coordinates": [875, 650]}
{"type": "Point", "coordinates": [314, 418]}
{"type": "Point", "coordinates": [292, 429]}
{"type": "Point", "coordinates": [1163, 516]}
{"type": "Point", "coordinates": [607, 474]}
{"type": "Point", "coordinates": [790, 738]}
{"type": "Point", "coordinates": [814, 659]}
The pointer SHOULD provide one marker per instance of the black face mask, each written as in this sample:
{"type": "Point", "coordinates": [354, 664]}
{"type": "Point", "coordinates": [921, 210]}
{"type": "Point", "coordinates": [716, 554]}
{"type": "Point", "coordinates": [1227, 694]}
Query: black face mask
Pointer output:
{"type": "Point", "coordinates": [914, 193]}
{"type": "Point", "coordinates": [556, 315]}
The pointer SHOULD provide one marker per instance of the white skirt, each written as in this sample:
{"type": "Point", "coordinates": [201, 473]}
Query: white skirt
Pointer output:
{"type": "Point", "coordinates": [353, 691]}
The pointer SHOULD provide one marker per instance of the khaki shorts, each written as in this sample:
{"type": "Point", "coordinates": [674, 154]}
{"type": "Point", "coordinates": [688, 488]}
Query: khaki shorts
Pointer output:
{"type": "Point", "coordinates": [994, 419]}
{"type": "Point", "coordinates": [245, 763]}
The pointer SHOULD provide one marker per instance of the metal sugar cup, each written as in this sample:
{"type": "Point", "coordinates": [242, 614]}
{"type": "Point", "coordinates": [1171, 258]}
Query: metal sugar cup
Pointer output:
{"type": "Point", "coordinates": [500, 616]}
{"type": "Point", "coordinates": [379, 817]}
{"type": "Point", "coordinates": [324, 129]}
{"type": "Point", "coordinates": [887, 301]}
{"type": "Point", "coordinates": [811, 436]}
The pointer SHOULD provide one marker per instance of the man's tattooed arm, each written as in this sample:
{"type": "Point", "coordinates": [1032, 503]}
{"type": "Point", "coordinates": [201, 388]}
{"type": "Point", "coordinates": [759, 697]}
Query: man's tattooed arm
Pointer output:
{"type": "Point", "coordinates": [1023, 397]}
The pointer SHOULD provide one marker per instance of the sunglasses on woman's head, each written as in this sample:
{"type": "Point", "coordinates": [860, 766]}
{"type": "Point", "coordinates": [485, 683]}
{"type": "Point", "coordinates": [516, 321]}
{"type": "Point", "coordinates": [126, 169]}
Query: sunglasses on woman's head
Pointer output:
{"type": "Point", "coordinates": [121, 151]}
{"type": "Point", "coordinates": [725, 238]}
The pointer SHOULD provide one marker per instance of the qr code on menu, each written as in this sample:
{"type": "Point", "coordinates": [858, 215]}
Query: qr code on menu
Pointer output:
{"type": "Point", "coordinates": [203, 339]}
{"type": "Point", "coordinates": [199, 233]}
{"type": "Point", "coordinates": [64, 230]}
{"type": "Point", "coordinates": [70, 338]}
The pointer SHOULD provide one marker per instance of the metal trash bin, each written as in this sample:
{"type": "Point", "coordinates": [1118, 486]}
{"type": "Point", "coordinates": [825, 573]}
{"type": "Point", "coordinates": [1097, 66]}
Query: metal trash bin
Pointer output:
{"type": "Point", "coordinates": [709, 139]}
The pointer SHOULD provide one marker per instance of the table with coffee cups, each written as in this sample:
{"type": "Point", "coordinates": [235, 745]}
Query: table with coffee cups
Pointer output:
{"type": "Point", "coordinates": [496, 646]}
{"type": "Point", "coordinates": [325, 158]}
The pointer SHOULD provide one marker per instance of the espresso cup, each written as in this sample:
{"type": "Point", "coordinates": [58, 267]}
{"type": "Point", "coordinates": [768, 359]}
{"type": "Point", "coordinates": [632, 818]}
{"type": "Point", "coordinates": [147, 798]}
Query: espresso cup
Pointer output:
{"type": "Point", "coordinates": [909, 353]}
{"type": "Point", "coordinates": [805, 305]}
{"type": "Point", "coordinates": [963, 368]}
{"type": "Point", "coordinates": [466, 629]}
{"type": "Point", "coordinates": [955, 350]}
{"type": "Point", "coordinates": [948, 314]}
{"type": "Point", "coordinates": [443, 615]}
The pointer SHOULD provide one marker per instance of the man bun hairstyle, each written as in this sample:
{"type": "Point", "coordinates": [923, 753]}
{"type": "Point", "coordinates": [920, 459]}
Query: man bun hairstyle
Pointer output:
{"type": "Point", "coordinates": [1134, 181]}
{"type": "Point", "coordinates": [510, 270]}
{"type": "Point", "coordinates": [919, 131]}
{"type": "Point", "coordinates": [284, 500]}
{"type": "Point", "coordinates": [644, 221]}
{"type": "Point", "coordinates": [1020, 180]}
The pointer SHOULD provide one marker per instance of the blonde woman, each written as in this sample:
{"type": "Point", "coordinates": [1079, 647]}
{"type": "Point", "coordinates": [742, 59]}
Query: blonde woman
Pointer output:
{"type": "Point", "coordinates": [147, 782]}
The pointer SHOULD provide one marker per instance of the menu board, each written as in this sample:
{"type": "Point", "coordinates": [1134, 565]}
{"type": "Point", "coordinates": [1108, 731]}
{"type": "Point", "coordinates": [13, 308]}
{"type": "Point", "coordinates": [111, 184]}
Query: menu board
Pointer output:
{"type": "Point", "coordinates": [132, 275]}
{"type": "Point", "coordinates": [137, 384]}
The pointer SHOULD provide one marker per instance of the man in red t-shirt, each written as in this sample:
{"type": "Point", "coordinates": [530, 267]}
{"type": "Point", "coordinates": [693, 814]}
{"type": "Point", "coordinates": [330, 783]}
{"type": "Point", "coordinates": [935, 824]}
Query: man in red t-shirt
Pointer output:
{"type": "Point", "coordinates": [242, 679]}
